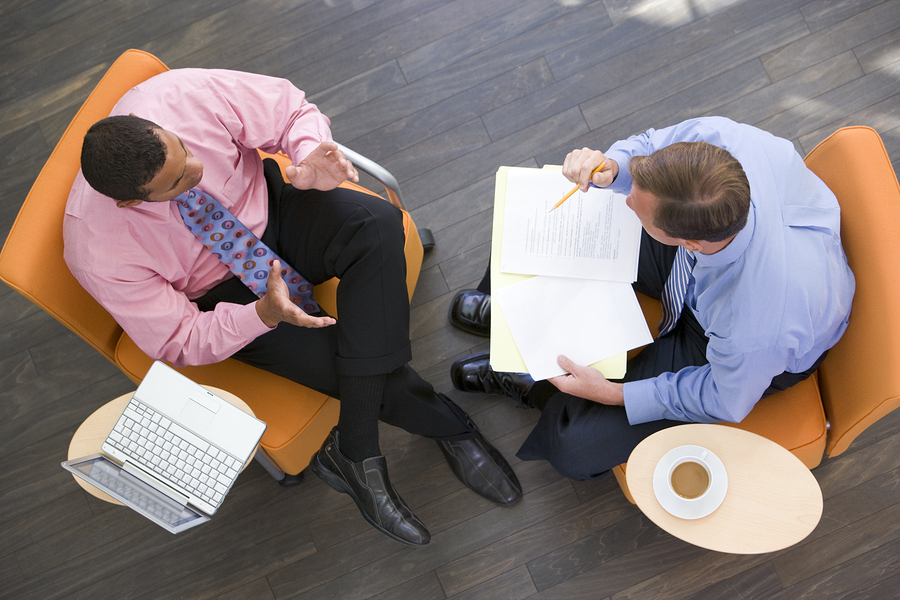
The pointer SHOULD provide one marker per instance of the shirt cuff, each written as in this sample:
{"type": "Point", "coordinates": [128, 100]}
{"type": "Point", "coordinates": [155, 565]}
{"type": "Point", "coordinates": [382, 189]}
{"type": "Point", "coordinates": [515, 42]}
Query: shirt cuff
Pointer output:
{"type": "Point", "coordinates": [248, 322]}
{"type": "Point", "coordinates": [641, 403]}
{"type": "Point", "coordinates": [622, 183]}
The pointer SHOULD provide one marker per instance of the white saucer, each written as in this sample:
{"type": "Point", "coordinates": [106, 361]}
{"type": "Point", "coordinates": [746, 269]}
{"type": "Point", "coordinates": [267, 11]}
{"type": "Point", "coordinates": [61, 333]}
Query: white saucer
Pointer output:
{"type": "Point", "coordinates": [681, 507]}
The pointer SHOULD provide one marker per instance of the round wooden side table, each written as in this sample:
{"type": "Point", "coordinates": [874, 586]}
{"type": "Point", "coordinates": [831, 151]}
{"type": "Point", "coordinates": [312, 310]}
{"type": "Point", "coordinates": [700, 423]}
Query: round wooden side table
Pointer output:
{"type": "Point", "coordinates": [772, 500]}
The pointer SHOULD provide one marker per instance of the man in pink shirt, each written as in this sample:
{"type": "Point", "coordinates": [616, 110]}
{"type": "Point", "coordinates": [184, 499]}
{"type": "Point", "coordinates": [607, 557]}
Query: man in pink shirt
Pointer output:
{"type": "Point", "coordinates": [126, 243]}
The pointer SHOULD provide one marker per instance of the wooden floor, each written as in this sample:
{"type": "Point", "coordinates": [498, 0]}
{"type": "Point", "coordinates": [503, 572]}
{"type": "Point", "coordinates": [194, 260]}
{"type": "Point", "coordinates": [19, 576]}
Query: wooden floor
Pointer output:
{"type": "Point", "coordinates": [442, 92]}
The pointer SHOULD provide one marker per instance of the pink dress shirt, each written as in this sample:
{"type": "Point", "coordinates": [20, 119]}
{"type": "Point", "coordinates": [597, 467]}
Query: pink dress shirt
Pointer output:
{"type": "Point", "coordinates": [142, 263]}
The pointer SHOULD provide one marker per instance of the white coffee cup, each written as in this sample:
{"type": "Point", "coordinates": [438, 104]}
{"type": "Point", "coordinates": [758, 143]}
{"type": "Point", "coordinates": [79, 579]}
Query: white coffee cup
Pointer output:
{"type": "Point", "coordinates": [690, 477]}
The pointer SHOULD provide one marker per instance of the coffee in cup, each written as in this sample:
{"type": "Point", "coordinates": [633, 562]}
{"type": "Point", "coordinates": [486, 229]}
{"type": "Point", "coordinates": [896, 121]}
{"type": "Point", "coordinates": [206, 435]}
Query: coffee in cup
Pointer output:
{"type": "Point", "coordinates": [689, 477]}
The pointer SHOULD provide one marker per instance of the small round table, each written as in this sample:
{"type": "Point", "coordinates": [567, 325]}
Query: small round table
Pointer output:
{"type": "Point", "coordinates": [90, 435]}
{"type": "Point", "coordinates": [772, 502]}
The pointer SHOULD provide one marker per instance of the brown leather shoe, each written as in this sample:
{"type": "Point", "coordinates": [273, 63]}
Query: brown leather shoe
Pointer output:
{"type": "Point", "coordinates": [470, 310]}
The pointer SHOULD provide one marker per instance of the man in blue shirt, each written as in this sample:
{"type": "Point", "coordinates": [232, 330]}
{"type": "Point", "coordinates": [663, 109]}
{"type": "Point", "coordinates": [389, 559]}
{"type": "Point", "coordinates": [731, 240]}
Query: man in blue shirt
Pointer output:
{"type": "Point", "coordinates": [769, 292]}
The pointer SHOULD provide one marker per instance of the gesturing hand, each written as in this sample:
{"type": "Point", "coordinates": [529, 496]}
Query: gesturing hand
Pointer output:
{"type": "Point", "coordinates": [276, 305]}
{"type": "Point", "coordinates": [587, 383]}
{"type": "Point", "coordinates": [324, 169]}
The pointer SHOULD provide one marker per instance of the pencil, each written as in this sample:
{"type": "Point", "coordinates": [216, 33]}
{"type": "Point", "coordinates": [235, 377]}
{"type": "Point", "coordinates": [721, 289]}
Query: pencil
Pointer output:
{"type": "Point", "coordinates": [575, 189]}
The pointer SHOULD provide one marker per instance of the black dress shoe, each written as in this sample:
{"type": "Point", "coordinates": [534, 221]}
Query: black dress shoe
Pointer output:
{"type": "Point", "coordinates": [474, 374]}
{"type": "Point", "coordinates": [470, 310]}
{"type": "Point", "coordinates": [482, 468]}
{"type": "Point", "coordinates": [368, 484]}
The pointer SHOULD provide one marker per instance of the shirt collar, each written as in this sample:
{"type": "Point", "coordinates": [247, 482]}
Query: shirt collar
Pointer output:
{"type": "Point", "coordinates": [160, 209]}
{"type": "Point", "coordinates": [735, 249]}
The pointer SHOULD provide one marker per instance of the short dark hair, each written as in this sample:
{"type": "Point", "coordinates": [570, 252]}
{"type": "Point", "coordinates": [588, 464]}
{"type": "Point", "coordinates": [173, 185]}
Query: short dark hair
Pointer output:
{"type": "Point", "coordinates": [121, 155]}
{"type": "Point", "coordinates": [702, 190]}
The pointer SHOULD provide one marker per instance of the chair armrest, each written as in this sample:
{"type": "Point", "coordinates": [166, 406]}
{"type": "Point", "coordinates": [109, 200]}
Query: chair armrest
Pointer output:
{"type": "Point", "coordinates": [382, 175]}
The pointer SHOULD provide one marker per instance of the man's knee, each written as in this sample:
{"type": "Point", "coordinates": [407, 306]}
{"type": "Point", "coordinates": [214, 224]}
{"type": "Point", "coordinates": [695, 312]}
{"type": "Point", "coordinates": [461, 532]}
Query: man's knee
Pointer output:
{"type": "Point", "coordinates": [373, 223]}
{"type": "Point", "coordinates": [582, 440]}
{"type": "Point", "coordinates": [583, 470]}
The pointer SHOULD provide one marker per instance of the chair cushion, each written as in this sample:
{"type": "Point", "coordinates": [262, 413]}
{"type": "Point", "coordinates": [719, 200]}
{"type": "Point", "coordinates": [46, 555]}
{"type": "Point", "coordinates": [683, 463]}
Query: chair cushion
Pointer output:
{"type": "Point", "coordinates": [794, 419]}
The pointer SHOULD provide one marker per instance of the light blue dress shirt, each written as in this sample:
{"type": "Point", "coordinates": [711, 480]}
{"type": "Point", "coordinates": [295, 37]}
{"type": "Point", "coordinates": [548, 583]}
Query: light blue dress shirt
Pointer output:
{"type": "Point", "coordinates": [773, 300]}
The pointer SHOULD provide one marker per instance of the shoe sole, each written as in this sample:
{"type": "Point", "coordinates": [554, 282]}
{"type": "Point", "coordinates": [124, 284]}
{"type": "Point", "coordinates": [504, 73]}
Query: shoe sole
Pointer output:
{"type": "Point", "coordinates": [337, 483]}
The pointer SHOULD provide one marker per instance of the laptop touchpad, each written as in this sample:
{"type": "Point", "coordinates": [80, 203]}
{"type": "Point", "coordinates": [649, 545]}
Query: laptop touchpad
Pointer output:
{"type": "Point", "coordinates": [196, 416]}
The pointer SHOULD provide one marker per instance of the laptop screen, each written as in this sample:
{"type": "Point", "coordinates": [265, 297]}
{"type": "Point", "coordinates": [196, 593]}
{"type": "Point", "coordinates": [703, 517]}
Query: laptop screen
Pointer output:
{"type": "Point", "coordinates": [109, 477]}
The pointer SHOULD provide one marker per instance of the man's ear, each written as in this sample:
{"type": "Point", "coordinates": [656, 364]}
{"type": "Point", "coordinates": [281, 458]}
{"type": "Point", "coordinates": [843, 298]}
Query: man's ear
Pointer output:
{"type": "Point", "coordinates": [692, 245]}
{"type": "Point", "coordinates": [128, 203]}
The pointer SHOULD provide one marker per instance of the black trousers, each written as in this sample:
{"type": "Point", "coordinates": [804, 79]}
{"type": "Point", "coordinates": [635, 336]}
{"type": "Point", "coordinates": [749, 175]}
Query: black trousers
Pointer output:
{"type": "Point", "coordinates": [359, 239]}
{"type": "Point", "coordinates": [583, 439]}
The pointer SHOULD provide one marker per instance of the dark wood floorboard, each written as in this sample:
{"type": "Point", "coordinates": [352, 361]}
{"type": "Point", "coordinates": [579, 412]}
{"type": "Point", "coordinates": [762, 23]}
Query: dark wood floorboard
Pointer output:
{"type": "Point", "coordinates": [442, 93]}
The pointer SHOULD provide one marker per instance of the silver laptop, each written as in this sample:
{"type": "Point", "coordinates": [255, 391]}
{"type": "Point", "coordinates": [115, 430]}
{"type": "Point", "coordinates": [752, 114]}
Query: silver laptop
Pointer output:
{"type": "Point", "coordinates": [174, 453]}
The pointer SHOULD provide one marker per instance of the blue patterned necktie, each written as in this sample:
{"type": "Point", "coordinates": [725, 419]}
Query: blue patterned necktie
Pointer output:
{"type": "Point", "coordinates": [241, 251]}
{"type": "Point", "coordinates": [675, 290]}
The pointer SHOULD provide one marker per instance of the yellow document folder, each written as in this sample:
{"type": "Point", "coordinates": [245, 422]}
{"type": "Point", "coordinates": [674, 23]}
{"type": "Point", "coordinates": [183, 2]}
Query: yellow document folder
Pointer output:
{"type": "Point", "coordinates": [505, 356]}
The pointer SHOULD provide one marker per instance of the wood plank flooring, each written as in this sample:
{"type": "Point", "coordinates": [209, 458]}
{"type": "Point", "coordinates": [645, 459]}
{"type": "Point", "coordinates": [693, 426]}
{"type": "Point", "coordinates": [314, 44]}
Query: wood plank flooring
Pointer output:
{"type": "Point", "coordinates": [442, 93]}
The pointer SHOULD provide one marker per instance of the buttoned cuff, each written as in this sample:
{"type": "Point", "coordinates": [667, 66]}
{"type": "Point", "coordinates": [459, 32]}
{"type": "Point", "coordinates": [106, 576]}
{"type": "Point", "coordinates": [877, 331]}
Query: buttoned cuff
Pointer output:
{"type": "Point", "coordinates": [641, 402]}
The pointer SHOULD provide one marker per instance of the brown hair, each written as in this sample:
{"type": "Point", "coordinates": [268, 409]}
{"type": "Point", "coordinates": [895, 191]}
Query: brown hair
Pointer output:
{"type": "Point", "coordinates": [702, 190]}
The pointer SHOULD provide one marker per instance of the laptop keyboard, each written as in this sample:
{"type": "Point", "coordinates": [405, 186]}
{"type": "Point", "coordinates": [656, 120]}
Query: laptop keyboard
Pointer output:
{"type": "Point", "coordinates": [173, 453]}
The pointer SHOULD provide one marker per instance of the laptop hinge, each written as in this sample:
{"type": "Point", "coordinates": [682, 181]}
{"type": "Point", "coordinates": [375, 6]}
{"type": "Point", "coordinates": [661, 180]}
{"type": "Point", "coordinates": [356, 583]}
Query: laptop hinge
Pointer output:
{"type": "Point", "coordinates": [154, 482]}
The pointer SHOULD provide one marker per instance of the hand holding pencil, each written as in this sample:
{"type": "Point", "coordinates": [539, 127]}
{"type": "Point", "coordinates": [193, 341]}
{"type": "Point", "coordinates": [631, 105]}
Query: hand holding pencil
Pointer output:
{"type": "Point", "coordinates": [575, 189]}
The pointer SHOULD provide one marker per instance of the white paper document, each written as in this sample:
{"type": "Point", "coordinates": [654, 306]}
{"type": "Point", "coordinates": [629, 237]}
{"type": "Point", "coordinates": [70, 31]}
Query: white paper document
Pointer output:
{"type": "Point", "coordinates": [593, 235]}
{"type": "Point", "coordinates": [505, 356]}
{"type": "Point", "coordinates": [589, 321]}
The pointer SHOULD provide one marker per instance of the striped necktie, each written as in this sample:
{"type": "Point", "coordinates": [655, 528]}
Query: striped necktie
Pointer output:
{"type": "Point", "coordinates": [675, 289]}
{"type": "Point", "coordinates": [241, 251]}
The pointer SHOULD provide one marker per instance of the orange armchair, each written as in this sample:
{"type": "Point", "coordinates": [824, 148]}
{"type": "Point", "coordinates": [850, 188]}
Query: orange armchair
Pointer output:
{"type": "Point", "coordinates": [859, 381]}
{"type": "Point", "coordinates": [31, 262]}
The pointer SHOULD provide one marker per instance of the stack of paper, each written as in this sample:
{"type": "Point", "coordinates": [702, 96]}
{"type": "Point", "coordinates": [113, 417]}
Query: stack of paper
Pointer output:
{"type": "Point", "coordinates": [561, 280]}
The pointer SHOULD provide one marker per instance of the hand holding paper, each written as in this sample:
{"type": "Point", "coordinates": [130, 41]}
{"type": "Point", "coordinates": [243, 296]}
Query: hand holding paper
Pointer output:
{"type": "Point", "coordinates": [591, 321]}
{"type": "Point", "coordinates": [588, 383]}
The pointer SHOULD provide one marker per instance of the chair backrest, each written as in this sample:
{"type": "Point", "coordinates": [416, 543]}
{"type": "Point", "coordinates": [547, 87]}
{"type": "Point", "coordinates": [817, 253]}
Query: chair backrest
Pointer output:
{"type": "Point", "coordinates": [31, 261]}
{"type": "Point", "coordinates": [860, 378]}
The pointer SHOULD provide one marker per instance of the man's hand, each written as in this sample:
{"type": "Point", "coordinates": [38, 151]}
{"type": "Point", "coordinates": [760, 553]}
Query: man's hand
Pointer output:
{"type": "Point", "coordinates": [587, 383]}
{"type": "Point", "coordinates": [324, 169]}
{"type": "Point", "coordinates": [276, 305]}
{"type": "Point", "coordinates": [579, 165]}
